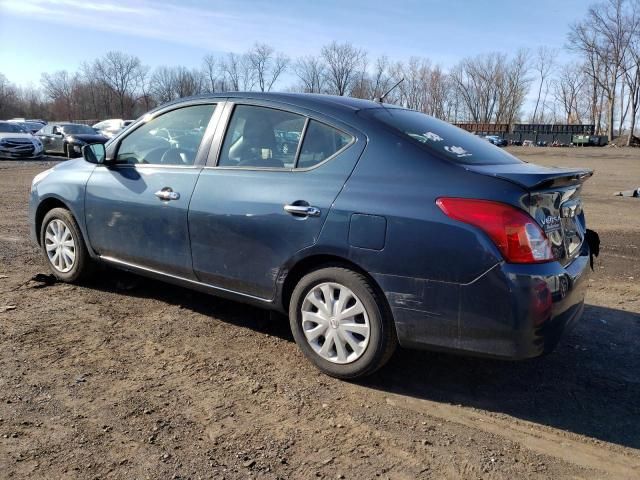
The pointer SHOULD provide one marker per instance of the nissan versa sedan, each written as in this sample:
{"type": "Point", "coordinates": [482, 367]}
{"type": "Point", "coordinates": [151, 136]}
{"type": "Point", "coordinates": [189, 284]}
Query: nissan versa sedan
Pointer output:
{"type": "Point", "coordinates": [379, 225]}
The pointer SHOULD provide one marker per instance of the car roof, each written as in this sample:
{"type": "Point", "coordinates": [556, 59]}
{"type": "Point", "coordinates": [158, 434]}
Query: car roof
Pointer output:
{"type": "Point", "coordinates": [312, 101]}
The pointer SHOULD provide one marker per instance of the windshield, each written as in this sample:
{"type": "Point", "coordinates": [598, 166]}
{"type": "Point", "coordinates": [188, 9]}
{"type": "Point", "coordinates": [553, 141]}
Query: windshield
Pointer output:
{"type": "Point", "coordinates": [441, 137]}
{"type": "Point", "coordinates": [11, 128]}
{"type": "Point", "coordinates": [77, 129]}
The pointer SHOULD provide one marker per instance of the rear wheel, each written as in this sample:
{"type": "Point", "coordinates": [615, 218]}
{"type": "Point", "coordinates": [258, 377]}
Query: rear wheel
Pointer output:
{"type": "Point", "coordinates": [63, 246]}
{"type": "Point", "coordinates": [340, 323]}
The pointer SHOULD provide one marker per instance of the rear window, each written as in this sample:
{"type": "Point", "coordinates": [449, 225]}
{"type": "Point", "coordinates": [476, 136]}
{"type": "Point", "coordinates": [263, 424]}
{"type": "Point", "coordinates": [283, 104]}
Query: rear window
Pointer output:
{"type": "Point", "coordinates": [441, 137]}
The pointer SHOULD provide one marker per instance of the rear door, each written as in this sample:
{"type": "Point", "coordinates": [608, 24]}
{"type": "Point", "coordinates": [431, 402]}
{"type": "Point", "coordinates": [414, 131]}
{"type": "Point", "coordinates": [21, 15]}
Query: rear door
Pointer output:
{"type": "Point", "coordinates": [136, 209]}
{"type": "Point", "coordinates": [267, 194]}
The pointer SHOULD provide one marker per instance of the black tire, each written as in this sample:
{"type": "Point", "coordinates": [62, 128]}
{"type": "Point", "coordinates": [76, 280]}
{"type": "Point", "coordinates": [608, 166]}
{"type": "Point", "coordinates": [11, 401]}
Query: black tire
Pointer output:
{"type": "Point", "coordinates": [382, 337]}
{"type": "Point", "coordinates": [82, 266]}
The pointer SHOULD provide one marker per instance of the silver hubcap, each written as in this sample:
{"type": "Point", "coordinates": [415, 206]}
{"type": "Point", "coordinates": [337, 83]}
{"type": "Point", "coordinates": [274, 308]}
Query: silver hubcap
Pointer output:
{"type": "Point", "coordinates": [60, 246]}
{"type": "Point", "coordinates": [335, 323]}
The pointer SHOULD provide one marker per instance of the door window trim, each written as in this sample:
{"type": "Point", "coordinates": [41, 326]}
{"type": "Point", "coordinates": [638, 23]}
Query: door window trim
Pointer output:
{"type": "Point", "coordinates": [225, 122]}
{"type": "Point", "coordinates": [205, 143]}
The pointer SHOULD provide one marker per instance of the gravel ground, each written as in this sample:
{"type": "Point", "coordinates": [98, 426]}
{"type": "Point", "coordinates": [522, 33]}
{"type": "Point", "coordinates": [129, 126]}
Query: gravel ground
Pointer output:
{"type": "Point", "coordinates": [131, 378]}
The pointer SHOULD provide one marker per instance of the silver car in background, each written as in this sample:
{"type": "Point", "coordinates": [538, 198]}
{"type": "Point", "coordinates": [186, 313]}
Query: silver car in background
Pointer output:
{"type": "Point", "coordinates": [110, 128]}
{"type": "Point", "coordinates": [18, 144]}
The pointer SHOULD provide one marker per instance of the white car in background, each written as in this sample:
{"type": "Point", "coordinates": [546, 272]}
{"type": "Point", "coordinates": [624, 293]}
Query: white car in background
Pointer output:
{"type": "Point", "coordinates": [18, 144]}
{"type": "Point", "coordinates": [110, 128]}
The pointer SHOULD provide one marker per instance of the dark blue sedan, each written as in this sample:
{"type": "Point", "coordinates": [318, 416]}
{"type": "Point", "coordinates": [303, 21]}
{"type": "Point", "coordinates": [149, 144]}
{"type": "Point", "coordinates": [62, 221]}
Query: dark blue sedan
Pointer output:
{"type": "Point", "coordinates": [370, 225]}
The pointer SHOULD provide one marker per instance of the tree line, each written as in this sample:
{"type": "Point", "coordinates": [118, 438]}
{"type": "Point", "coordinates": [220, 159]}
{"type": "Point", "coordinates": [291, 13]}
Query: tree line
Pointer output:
{"type": "Point", "coordinates": [600, 85]}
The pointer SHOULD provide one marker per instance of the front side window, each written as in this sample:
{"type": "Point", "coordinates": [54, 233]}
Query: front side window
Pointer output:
{"type": "Point", "coordinates": [172, 138]}
{"type": "Point", "coordinates": [321, 142]}
{"type": "Point", "coordinates": [261, 137]}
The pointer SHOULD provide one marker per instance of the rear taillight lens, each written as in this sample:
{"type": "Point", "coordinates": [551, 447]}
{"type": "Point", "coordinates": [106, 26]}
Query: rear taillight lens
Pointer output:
{"type": "Point", "coordinates": [518, 237]}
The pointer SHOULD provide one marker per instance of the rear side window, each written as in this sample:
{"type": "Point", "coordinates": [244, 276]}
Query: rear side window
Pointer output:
{"type": "Point", "coordinates": [321, 142]}
{"type": "Point", "coordinates": [261, 137]}
{"type": "Point", "coordinates": [441, 137]}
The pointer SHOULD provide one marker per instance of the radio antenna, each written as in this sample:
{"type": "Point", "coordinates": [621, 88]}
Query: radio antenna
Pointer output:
{"type": "Point", "coordinates": [381, 99]}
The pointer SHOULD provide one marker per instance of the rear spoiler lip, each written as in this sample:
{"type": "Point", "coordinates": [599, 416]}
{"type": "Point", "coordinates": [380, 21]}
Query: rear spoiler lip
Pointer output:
{"type": "Point", "coordinates": [577, 177]}
{"type": "Point", "coordinates": [540, 178]}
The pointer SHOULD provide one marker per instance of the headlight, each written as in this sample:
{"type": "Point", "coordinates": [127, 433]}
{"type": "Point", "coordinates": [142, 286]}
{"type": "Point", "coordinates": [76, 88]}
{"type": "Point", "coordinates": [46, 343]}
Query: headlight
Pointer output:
{"type": "Point", "coordinates": [39, 177]}
{"type": "Point", "coordinates": [37, 143]}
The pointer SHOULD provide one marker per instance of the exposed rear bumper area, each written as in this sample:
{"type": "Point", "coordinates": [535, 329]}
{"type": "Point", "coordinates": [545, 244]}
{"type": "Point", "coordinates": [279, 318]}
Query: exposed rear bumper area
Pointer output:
{"type": "Point", "coordinates": [512, 311]}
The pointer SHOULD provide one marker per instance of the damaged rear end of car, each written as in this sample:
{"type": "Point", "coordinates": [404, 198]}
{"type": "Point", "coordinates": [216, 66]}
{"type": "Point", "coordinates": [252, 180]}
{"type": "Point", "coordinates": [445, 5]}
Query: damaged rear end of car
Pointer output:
{"type": "Point", "coordinates": [547, 293]}
{"type": "Point", "coordinates": [524, 223]}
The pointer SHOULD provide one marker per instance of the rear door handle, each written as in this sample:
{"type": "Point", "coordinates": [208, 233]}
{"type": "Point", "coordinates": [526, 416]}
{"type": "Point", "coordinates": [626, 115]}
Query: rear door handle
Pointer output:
{"type": "Point", "coordinates": [167, 194]}
{"type": "Point", "coordinates": [302, 210]}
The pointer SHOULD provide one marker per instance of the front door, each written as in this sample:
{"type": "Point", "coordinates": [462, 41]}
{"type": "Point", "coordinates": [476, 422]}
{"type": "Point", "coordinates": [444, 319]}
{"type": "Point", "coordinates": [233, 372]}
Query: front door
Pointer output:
{"type": "Point", "coordinates": [56, 143]}
{"type": "Point", "coordinates": [136, 209]}
{"type": "Point", "coordinates": [267, 198]}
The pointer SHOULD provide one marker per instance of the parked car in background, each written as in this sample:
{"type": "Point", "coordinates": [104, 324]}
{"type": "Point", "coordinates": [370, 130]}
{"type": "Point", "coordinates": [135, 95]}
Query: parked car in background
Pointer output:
{"type": "Point", "coordinates": [382, 226]}
{"type": "Point", "coordinates": [18, 144]}
{"type": "Point", "coordinates": [68, 138]}
{"type": "Point", "coordinates": [496, 140]}
{"type": "Point", "coordinates": [110, 128]}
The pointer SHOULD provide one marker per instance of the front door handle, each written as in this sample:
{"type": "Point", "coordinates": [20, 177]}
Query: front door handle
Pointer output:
{"type": "Point", "coordinates": [302, 210]}
{"type": "Point", "coordinates": [167, 194]}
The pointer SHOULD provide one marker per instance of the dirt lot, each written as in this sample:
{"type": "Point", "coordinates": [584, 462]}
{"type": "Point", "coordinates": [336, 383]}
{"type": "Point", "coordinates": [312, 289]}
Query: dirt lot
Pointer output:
{"type": "Point", "coordinates": [131, 378]}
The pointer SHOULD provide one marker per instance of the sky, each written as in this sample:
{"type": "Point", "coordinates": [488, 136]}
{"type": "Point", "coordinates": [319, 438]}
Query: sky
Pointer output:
{"type": "Point", "coordinates": [47, 35]}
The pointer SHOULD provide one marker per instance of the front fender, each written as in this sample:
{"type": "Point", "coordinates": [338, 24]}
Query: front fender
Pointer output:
{"type": "Point", "coordinates": [64, 186]}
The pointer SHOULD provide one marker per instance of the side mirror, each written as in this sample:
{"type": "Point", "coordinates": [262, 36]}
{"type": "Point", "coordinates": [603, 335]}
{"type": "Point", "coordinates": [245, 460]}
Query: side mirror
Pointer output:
{"type": "Point", "coordinates": [94, 153]}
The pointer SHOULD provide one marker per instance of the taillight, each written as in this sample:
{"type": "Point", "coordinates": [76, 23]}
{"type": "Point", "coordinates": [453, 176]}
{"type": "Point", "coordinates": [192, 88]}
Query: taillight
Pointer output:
{"type": "Point", "coordinates": [518, 237]}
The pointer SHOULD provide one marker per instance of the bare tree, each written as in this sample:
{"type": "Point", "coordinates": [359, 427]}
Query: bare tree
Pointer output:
{"type": "Point", "coordinates": [632, 76]}
{"type": "Point", "coordinates": [213, 72]}
{"type": "Point", "coordinates": [266, 65]}
{"type": "Point", "coordinates": [238, 70]}
{"type": "Point", "coordinates": [312, 73]}
{"type": "Point", "coordinates": [187, 82]}
{"type": "Point", "coordinates": [343, 62]}
{"type": "Point", "coordinates": [381, 79]}
{"type": "Point", "coordinates": [122, 73]}
{"type": "Point", "coordinates": [440, 93]}
{"type": "Point", "coordinates": [567, 89]}
{"type": "Point", "coordinates": [162, 84]}
{"type": "Point", "coordinates": [513, 88]}
{"type": "Point", "coordinates": [604, 37]}
{"type": "Point", "coordinates": [146, 98]}
{"type": "Point", "coordinates": [476, 81]}
{"type": "Point", "coordinates": [491, 87]}
{"type": "Point", "coordinates": [544, 61]}
{"type": "Point", "coordinates": [413, 91]}
{"type": "Point", "coordinates": [7, 95]}
{"type": "Point", "coordinates": [59, 88]}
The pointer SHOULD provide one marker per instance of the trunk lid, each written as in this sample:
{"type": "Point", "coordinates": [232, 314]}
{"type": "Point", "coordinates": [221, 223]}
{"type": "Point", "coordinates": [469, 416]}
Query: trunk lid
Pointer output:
{"type": "Point", "coordinates": [554, 201]}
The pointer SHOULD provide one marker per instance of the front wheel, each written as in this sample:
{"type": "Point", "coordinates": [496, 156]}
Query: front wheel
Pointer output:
{"type": "Point", "coordinates": [63, 246]}
{"type": "Point", "coordinates": [340, 323]}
